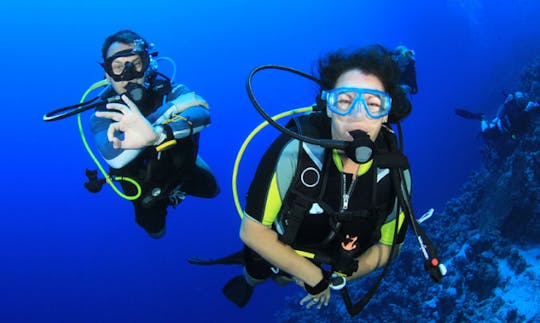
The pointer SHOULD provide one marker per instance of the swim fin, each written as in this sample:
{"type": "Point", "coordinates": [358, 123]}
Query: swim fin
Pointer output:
{"type": "Point", "coordinates": [470, 115]}
{"type": "Point", "coordinates": [238, 291]}
{"type": "Point", "coordinates": [236, 258]}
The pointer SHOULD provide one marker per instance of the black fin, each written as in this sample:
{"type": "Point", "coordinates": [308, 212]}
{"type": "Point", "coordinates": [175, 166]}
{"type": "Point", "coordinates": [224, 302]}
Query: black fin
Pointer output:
{"type": "Point", "coordinates": [238, 291]}
{"type": "Point", "coordinates": [236, 258]}
{"type": "Point", "coordinates": [469, 115]}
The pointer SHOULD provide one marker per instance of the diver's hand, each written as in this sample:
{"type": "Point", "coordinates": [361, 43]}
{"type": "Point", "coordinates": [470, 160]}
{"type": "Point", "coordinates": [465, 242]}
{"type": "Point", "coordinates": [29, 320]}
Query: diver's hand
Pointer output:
{"type": "Point", "coordinates": [318, 294]}
{"type": "Point", "coordinates": [319, 300]}
{"type": "Point", "coordinates": [531, 106]}
{"type": "Point", "coordinates": [138, 132]}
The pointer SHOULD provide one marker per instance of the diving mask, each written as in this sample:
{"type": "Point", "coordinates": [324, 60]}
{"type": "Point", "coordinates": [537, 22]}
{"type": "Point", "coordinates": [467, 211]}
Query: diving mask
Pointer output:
{"type": "Point", "coordinates": [343, 101]}
{"type": "Point", "coordinates": [128, 64]}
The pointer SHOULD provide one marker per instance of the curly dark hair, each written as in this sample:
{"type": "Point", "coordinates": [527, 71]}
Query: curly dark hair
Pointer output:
{"type": "Point", "coordinates": [123, 36]}
{"type": "Point", "coordinates": [375, 60]}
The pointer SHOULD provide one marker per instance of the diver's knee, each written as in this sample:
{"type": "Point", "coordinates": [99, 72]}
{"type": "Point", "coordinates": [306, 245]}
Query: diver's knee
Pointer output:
{"type": "Point", "coordinates": [157, 235]}
{"type": "Point", "coordinates": [215, 189]}
{"type": "Point", "coordinates": [252, 281]}
{"type": "Point", "coordinates": [202, 164]}
{"type": "Point", "coordinates": [282, 280]}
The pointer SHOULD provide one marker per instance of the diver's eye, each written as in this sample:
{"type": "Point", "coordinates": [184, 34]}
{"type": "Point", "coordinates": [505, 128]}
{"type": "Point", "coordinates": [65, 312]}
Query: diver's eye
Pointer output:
{"type": "Point", "coordinates": [138, 64]}
{"type": "Point", "coordinates": [117, 68]}
{"type": "Point", "coordinates": [344, 101]}
{"type": "Point", "coordinates": [373, 103]}
{"type": "Point", "coordinates": [374, 109]}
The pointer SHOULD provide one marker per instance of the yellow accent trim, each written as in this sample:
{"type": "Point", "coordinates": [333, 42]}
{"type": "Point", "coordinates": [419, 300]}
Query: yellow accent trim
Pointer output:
{"type": "Point", "coordinates": [166, 145]}
{"type": "Point", "coordinates": [273, 203]}
{"type": "Point", "coordinates": [175, 117]}
{"type": "Point", "coordinates": [244, 146]}
{"type": "Point", "coordinates": [388, 229]}
{"type": "Point", "coordinates": [361, 170]}
{"type": "Point", "coordinates": [305, 254]}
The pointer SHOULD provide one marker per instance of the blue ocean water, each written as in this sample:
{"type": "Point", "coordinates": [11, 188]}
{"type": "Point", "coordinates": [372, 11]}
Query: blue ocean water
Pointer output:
{"type": "Point", "coordinates": [71, 256]}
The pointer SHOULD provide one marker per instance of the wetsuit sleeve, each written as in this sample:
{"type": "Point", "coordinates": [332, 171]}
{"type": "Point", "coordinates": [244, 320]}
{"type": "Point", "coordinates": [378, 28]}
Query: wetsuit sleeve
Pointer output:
{"type": "Point", "coordinates": [194, 116]}
{"type": "Point", "coordinates": [185, 112]}
{"type": "Point", "coordinates": [388, 228]}
{"type": "Point", "coordinates": [271, 182]}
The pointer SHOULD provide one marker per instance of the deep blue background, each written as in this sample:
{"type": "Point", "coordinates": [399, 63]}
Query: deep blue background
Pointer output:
{"type": "Point", "coordinates": [70, 256]}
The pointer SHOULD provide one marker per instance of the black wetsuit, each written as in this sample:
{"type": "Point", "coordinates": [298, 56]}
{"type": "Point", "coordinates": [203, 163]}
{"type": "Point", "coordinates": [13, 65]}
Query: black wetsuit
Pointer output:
{"type": "Point", "coordinates": [159, 173]}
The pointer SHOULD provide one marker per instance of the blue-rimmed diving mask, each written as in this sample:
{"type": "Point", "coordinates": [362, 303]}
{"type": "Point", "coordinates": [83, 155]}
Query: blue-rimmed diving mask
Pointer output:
{"type": "Point", "coordinates": [344, 100]}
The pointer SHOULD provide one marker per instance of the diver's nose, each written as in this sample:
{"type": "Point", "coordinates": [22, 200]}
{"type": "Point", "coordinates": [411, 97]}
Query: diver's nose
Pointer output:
{"type": "Point", "coordinates": [359, 111]}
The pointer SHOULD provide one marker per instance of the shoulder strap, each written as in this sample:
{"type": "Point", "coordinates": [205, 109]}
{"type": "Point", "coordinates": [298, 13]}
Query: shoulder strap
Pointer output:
{"type": "Point", "coordinates": [397, 167]}
{"type": "Point", "coordinates": [302, 194]}
{"type": "Point", "coordinates": [390, 157]}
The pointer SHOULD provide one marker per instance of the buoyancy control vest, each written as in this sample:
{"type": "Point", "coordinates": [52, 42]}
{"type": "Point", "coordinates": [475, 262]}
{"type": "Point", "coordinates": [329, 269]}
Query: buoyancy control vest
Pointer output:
{"type": "Point", "coordinates": [161, 172]}
{"type": "Point", "coordinates": [308, 193]}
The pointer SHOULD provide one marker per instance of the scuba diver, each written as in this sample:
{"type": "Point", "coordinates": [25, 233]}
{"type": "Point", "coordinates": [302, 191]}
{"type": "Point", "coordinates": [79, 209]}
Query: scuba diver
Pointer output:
{"type": "Point", "coordinates": [154, 140]}
{"type": "Point", "coordinates": [512, 119]}
{"type": "Point", "coordinates": [324, 214]}
{"type": "Point", "coordinates": [406, 60]}
{"type": "Point", "coordinates": [149, 131]}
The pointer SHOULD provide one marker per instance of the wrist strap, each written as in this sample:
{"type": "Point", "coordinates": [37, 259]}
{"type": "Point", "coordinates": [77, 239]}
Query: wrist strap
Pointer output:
{"type": "Point", "coordinates": [169, 140]}
{"type": "Point", "coordinates": [162, 136]}
{"type": "Point", "coordinates": [320, 287]}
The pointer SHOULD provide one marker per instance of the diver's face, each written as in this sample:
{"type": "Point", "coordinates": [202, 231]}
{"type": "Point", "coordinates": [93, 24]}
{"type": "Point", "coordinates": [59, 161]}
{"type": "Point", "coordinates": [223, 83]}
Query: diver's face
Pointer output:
{"type": "Point", "coordinates": [120, 87]}
{"type": "Point", "coordinates": [358, 119]}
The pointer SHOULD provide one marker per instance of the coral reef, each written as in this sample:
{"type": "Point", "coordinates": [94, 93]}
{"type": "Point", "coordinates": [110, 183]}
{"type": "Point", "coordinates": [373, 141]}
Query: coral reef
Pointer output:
{"type": "Point", "coordinates": [488, 236]}
{"type": "Point", "coordinates": [530, 79]}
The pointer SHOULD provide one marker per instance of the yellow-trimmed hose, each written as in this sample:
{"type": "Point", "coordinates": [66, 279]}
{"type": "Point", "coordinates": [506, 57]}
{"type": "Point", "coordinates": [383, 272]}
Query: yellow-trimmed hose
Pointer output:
{"type": "Point", "coordinates": [255, 131]}
{"type": "Point", "coordinates": [244, 146]}
{"type": "Point", "coordinates": [108, 178]}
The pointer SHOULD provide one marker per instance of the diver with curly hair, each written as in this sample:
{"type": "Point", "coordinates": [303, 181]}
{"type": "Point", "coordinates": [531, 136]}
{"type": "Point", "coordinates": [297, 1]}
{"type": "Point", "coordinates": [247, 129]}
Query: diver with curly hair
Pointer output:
{"type": "Point", "coordinates": [307, 200]}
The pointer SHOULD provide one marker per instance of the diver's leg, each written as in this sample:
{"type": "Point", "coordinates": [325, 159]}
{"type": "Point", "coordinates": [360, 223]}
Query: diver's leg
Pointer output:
{"type": "Point", "coordinates": [236, 258]}
{"type": "Point", "coordinates": [256, 266]}
{"type": "Point", "coordinates": [152, 219]}
{"type": "Point", "coordinates": [256, 270]}
{"type": "Point", "coordinates": [201, 182]}
{"type": "Point", "coordinates": [150, 212]}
